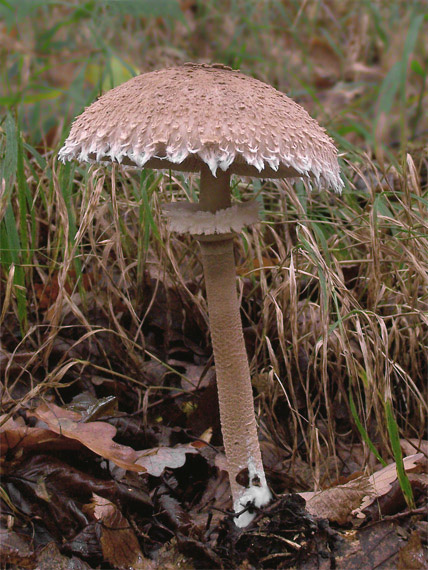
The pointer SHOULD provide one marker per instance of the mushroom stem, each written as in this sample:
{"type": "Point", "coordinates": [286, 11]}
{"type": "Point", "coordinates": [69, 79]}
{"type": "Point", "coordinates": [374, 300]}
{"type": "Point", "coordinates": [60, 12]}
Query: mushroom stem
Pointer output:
{"type": "Point", "coordinates": [214, 191]}
{"type": "Point", "coordinates": [232, 370]}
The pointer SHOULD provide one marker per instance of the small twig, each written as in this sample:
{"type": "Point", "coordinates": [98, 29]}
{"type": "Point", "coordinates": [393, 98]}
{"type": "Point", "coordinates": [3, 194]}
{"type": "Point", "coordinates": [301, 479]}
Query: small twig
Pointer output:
{"type": "Point", "coordinates": [223, 511]}
{"type": "Point", "coordinates": [418, 511]}
{"type": "Point", "coordinates": [287, 541]}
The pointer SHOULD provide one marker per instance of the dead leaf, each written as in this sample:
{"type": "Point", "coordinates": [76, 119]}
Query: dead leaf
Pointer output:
{"type": "Point", "coordinates": [216, 494]}
{"type": "Point", "coordinates": [220, 462]}
{"type": "Point", "coordinates": [15, 361]}
{"type": "Point", "coordinates": [118, 541]}
{"type": "Point", "coordinates": [382, 481]}
{"type": "Point", "coordinates": [15, 550]}
{"type": "Point", "coordinates": [336, 504]}
{"type": "Point", "coordinates": [254, 266]}
{"type": "Point", "coordinates": [340, 502]}
{"type": "Point", "coordinates": [96, 436]}
{"type": "Point", "coordinates": [412, 554]}
{"type": "Point", "coordinates": [173, 514]}
{"type": "Point", "coordinates": [194, 375]}
{"type": "Point", "coordinates": [376, 548]}
{"type": "Point", "coordinates": [411, 446]}
{"type": "Point", "coordinates": [156, 460]}
{"type": "Point", "coordinates": [54, 491]}
{"type": "Point", "coordinates": [50, 558]}
{"type": "Point", "coordinates": [354, 456]}
{"type": "Point", "coordinates": [15, 434]}
{"type": "Point", "coordinates": [170, 558]}
{"type": "Point", "coordinates": [47, 293]}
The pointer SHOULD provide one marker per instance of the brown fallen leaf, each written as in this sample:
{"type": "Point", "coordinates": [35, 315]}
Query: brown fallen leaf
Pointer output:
{"type": "Point", "coordinates": [16, 435]}
{"type": "Point", "coordinates": [48, 292]}
{"type": "Point", "coordinates": [14, 432]}
{"type": "Point", "coordinates": [118, 541]}
{"type": "Point", "coordinates": [382, 481]}
{"type": "Point", "coordinates": [16, 550]}
{"type": "Point", "coordinates": [342, 502]}
{"type": "Point", "coordinates": [50, 558]}
{"type": "Point", "coordinates": [156, 460]}
{"type": "Point", "coordinates": [336, 504]}
{"type": "Point", "coordinates": [96, 436]}
{"type": "Point", "coordinates": [373, 548]}
{"type": "Point", "coordinates": [413, 445]}
{"type": "Point", "coordinates": [411, 556]}
{"type": "Point", "coordinates": [170, 558]}
{"type": "Point", "coordinates": [253, 266]}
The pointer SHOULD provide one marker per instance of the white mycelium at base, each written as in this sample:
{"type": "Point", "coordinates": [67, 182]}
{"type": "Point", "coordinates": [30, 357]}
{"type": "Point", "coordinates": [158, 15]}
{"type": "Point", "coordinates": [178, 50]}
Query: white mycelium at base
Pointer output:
{"type": "Point", "coordinates": [257, 495]}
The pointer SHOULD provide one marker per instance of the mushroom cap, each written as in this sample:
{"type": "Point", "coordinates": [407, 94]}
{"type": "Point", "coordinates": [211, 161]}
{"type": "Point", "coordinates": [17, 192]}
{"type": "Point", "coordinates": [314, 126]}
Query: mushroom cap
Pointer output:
{"type": "Point", "coordinates": [183, 117]}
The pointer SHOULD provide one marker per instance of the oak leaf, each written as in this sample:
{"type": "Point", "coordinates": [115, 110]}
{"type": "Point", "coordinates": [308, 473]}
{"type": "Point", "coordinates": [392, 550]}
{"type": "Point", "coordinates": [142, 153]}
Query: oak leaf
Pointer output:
{"type": "Point", "coordinates": [118, 541]}
{"type": "Point", "coordinates": [96, 436]}
{"type": "Point", "coordinates": [156, 460]}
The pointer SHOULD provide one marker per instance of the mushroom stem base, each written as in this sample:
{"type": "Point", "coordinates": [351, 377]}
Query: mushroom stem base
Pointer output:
{"type": "Point", "coordinates": [233, 379]}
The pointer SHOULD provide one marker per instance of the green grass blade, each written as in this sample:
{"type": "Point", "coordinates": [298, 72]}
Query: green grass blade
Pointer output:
{"type": "Point", "coordinates": [24, 202]}
{"type": "Point", "coordinates": [10, 247]}
{"type": "Point", "coordinates": [363, 431]}
{"type": "Point", "coordinates": [9, 162]}
{"type": "Point", "coordinates": [398, 455]}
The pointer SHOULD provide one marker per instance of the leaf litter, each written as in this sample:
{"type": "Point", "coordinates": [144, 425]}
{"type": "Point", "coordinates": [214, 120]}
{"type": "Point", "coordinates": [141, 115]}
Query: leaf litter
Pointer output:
{"type": "Point", "coordinates": [125, 507]}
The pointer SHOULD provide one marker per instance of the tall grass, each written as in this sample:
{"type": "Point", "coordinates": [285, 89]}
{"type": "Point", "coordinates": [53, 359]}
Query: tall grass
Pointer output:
{"type": "Point", "coordinates": [334, 289]}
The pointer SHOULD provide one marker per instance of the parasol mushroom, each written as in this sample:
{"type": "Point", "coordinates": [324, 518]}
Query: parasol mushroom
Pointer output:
{"type": "Point", "coordinates": [216, 121]}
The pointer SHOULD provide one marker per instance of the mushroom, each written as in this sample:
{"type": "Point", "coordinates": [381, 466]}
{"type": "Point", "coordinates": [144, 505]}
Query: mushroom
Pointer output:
{"type": "Point", "coordinates": [216, 121]}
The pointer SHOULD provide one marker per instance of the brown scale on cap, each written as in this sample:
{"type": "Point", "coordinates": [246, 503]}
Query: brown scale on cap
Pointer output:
{"type": "Point", "coordinates": [183, 116]}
